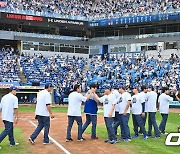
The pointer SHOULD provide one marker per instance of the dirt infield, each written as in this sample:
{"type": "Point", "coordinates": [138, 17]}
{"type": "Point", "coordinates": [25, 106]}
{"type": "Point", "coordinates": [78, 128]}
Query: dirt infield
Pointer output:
{"type": "Point", "coordinates": [58, 132]}
{"type": "Point", "coordinates": [174, 110]}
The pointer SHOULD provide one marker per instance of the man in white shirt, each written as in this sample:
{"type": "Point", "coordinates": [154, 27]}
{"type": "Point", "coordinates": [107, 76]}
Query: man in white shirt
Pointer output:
{"type": "Point", "coordinates": [151, 101]}
{"type": "Point", "coordinates": [9, 108]}
{"type": "Point", "coordinates": [163, 101]}
{"type": "Point", "coordinates": [109, 102]}
{"type": "Point", "coordinates": [137, 102]}
{"type": "Point", "coordinates": [124, 112]}
{"type": "Point", "coordinates": [116, 118]}
{"type": "Point", "coordinates": [43, 114]}
{"type": "Point", "coordinates": [144, 105]}
{"type": "Point", "coordinates": [74, 111]}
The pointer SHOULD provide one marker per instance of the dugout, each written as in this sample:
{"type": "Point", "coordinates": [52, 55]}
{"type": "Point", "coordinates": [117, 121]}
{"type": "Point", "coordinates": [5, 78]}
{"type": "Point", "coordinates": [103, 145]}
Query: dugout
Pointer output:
{"type": "Point", "coordinates": [25, 94]}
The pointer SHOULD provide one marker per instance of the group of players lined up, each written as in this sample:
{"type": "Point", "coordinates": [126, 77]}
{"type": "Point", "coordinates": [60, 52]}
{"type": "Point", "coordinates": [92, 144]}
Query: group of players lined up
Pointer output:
{"type": "Point", "coordinates": [116, 104]}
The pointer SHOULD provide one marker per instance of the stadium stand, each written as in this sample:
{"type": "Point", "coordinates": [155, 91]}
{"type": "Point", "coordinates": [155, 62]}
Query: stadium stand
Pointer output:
{"type": "Point", "coordinates": [58, 70]}
{"type": "Point", "coordinates": [131, 71]}
{"type": "Point", "coordinates": [93, 9]}
{"type": "Point", "coordinates": [8, 65]}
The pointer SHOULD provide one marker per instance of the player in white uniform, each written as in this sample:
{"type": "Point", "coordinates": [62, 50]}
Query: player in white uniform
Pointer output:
{"type": "Point", "coordinates": [163, 101]}
{"type": "Point", "coordinates": [116, 118]}
{"type": "Point", "coordinates": [9, 108]}
{"type": "Point", "coordinates": [109, 102]}
{"type": "Point", "coordinates": [74, 111]}
{"type": "Point", "coordinates": [137, 107]}
{"type": "Point", "coordinates": [43, 113]}
{"type": "Point", "coordinates": [151, 101]}
{"type": "Point", "coordinates": [124, 112]}
{"type": "Point", "coordinates": [144, 105]}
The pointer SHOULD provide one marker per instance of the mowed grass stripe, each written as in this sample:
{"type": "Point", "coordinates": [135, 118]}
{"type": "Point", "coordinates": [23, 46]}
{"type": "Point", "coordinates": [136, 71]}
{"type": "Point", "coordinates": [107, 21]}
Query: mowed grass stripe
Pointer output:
{"type": "Point", "coordinates": [22, 148]}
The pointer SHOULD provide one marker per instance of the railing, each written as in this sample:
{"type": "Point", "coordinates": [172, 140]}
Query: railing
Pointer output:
{"type": "Point", "coordinates": [135, 36]}
{"type": "Point", "coordinates": [58, 15]}
{"type": "Point", "coordinates": [23, 34]}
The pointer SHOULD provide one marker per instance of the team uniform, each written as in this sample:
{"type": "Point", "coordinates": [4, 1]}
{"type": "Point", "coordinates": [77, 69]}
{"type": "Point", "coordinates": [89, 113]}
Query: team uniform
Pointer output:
{"type": "Point", "coordinates": [164, 110]}
{"type": "Point", "coordinates": [42, 115]}
{"type": "Point", "coordinates": [9, 102]}
{"type": "Point", "coordinates": [124, 119]}
{"type": "Point", "coordinates": [151, 108]}
{"type": "Point", "coordinates": [90, 109]}
{"type": "Point", "coordinates": [74, 113]}
{"type": "Point", "coordinates": [136, 103]}
{"type": "Point", "coordinates": [108, 101]}
{"type": "Point", "coordinates": [116, 118]}
{"type": "Point", "coordinates": [143, 97]}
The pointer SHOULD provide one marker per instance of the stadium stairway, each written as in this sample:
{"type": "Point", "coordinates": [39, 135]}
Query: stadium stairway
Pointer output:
{"type": "Point", "coordinates": [21, 74]}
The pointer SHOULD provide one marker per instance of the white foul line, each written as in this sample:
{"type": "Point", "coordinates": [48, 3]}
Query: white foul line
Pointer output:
{"type": "Point", "coordinates": [53, 140]}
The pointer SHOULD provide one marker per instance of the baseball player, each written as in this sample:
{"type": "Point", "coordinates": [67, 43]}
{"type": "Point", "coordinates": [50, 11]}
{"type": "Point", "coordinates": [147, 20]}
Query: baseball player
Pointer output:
{"type": "Point", "coordinates": [90, 109]}
{"type": "Point", "coordinates": [43, 114]}
{"type": "Point", "coordinates": [163, 101]}
{"type": "Point", "coordinates": [137, 108]}
{"type": "Point", "coordinates": [9, 108]}
{"type": "Point", "coordinates": [116, 118]}
{"type": "Point", "coordinates": [151, 101]}
{"type": "Point", "coordinates": [144, 105]}
{"type": "Point", "coordinates": [109, 102]}
{"type": "Point", "coordinates": [124, 112]}
{"type": "Point", "coordinates": [74, 111]}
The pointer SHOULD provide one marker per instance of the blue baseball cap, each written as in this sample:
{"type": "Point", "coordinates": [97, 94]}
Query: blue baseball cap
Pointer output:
{"type": "Point", "coordinates": [13, 88]}
{"type": "Point", "coordinates": [48, 85]}
{"type": "Point", "coordinates": [122, 87]}
{"type": "Point", "coordinates": [107, 87]}
{"type": "Point", "coordinates": [136, 87]}
{"type": "Point", "coordinates": [150, 86]}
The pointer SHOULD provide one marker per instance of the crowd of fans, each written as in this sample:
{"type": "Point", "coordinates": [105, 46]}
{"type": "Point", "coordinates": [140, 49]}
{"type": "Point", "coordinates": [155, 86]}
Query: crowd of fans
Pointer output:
{"type": "Point", "coordinates": [138, 71]}
{"type": "Point", "coordinates": [64, 72]}
{"type": "Point", "coordinates": [8, 65]}
{"type": "Point", "coordinates": [95, 9]}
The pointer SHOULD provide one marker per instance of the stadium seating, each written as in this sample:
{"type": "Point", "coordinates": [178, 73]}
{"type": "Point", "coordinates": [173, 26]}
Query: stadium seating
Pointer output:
{"type": "Point", "coordinates": [93, 9]}
{"type": "Point", "coordinates": [8, 66]}
{"type": "Point", "coordinates": [132, 72]}
{"type": "Point", "coordinates": [57, 70]}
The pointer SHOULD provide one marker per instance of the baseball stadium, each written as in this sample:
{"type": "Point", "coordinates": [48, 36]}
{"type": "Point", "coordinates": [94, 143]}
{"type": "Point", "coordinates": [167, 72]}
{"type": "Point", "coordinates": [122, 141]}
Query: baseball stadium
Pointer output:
{"type": "Point", "coordinates": [89, 76]}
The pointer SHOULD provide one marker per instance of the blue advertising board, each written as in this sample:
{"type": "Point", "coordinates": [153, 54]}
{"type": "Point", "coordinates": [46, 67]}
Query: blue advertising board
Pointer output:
{"type": "Point", "coordinates": [134, 20]}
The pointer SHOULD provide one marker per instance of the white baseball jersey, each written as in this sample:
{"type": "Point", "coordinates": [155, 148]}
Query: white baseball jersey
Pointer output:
{"type": "Point", "coordinates": [136, 103]}
{"type": "Point", "coordinates": [74, 105]}
{"type": "Point", "coordinates": [108, 101]}
{"type": "Point", "coordinates": [8, 103]}
{"type": "Point", "coordinates": [43, 99]}
{"type": "Point", "coordinates": [117, 94]}
{"type": "Point", "coordinates": [151, 101]}
{"type": "Point", "coordinates": [143, 100]}
{"type": "Point", "coordinates": [164, 103]}
{"type": "Point", "coordinates": [123, 100]}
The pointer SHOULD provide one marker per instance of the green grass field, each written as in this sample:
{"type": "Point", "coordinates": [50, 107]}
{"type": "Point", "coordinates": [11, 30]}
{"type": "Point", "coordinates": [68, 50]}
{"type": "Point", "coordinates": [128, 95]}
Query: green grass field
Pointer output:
{"type": "Point", "coordinates": [151, 146]}
{"type": "Point", "coordinates": [136, 146]}
{"type": "Point", "coordinates": [22, 148]}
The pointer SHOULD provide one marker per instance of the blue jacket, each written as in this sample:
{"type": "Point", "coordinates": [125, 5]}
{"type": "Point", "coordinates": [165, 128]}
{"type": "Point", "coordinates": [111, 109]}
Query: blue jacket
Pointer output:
{"type": "Point", "coordinates": [91, 107]}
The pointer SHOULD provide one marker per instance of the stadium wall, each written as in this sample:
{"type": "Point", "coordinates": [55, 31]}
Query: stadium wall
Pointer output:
{"type": "Point", "coordinates": [49, 54]}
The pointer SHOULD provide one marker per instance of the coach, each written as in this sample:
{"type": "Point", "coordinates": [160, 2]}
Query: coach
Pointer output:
{"type": "Point", "coordinates": [74, 111]}
{"type": "Point", "coordinates": [9, 107]}
{"type": "Point", "coordinates": [43, 114]}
